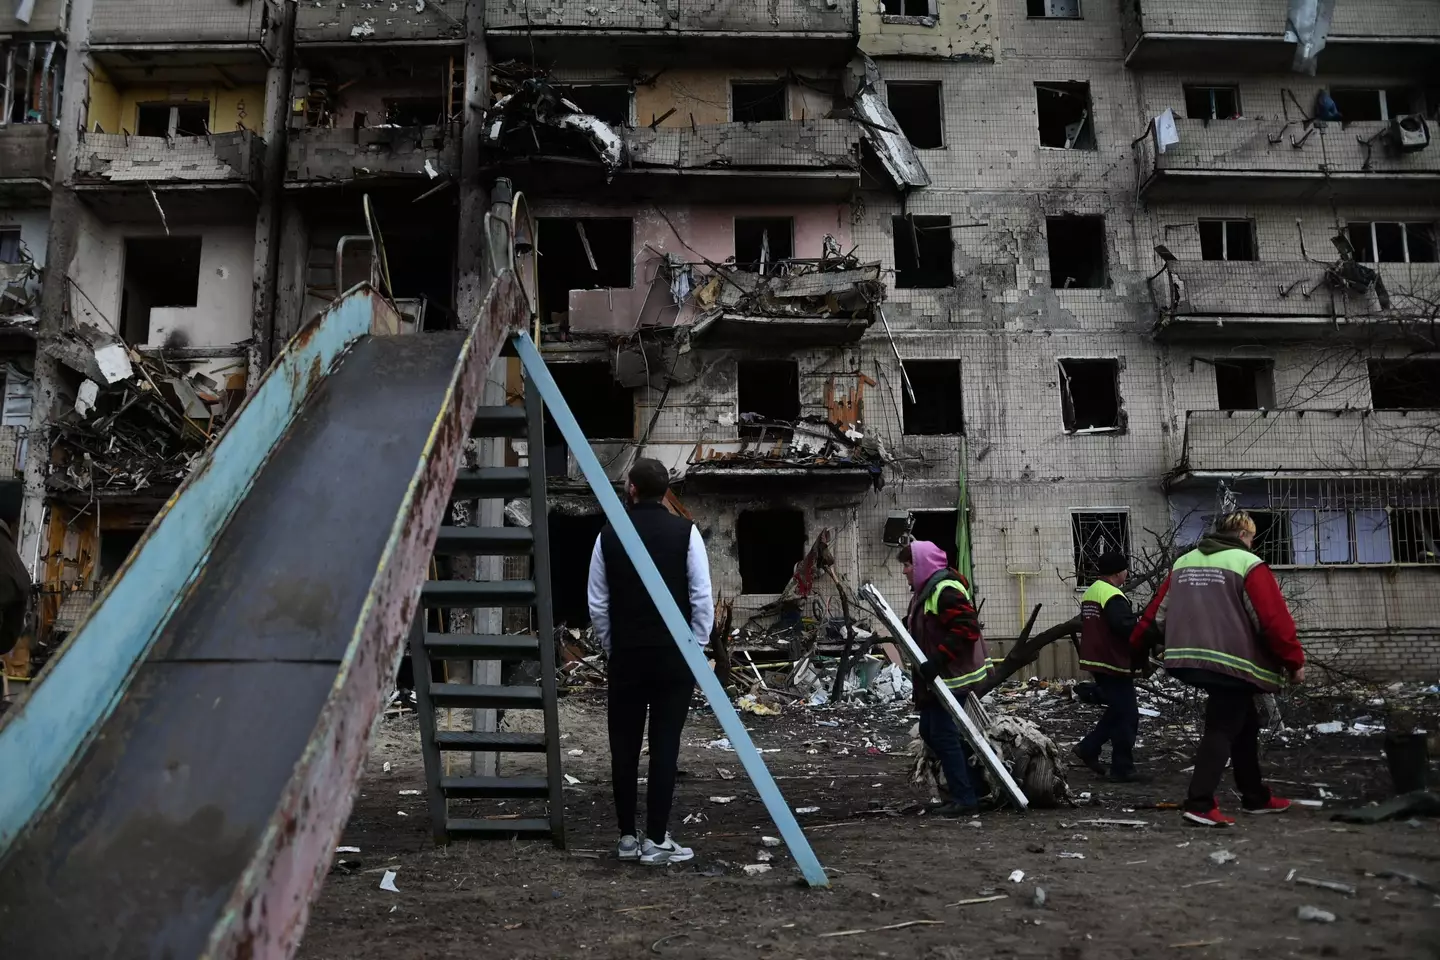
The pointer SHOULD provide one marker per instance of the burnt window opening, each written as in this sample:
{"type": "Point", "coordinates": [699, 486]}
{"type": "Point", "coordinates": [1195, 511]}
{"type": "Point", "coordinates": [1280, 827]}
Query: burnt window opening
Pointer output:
{"type": "Point", "coordinates": [414, 111]}
{"type": "Point", "coordinates": [924, 252]}
{"type": "Point", "coordinates": [938, 408]}
{"type": "Point", "coordinates": [908, 8]}
{"type": "Point", "coordinates": [1092, 535]}
{"type": "Point", "coordinates": [1067, 119]}
{"type": "Point", "coordinates": [1212, 103]}
{"type": "Point", "coordinates": [159, 272]}
{"type": "Point", "coordinates": [767, 391]}
{"type": "Point", "coordinates": [1077, 252]}
{"type": "Point", "coordinates": [9, 245]}
{"type": "Point", "coordinates": [604, 410]}
{"type": "Point", "coordinates": [1272, 537]}
{"type": "Point", "coordinates": [1090, 396]}
{"type": "Point", "coordinates": [1415, 535]}
{"type": "Point", "coordinates": [938, 527]}
{"type": "Point", "coordinates": [761, 242]}
{"type": "Point", "coordinates": [770, 543]}
{"type": "Point", "coordinates": [609, 102]}
{"type": "Point", "coordinates": [1392, 242]}
{"type": "Point", "coordinates": [572, 541]}
{"type": "Point", "coordinates": [917, 109]}
{"type": "Point", "coordinates": [1052, 9]}
{"type": "Point", "coordinates": [580, 253]}
{"type": "Point", "coordinates": [188, 119]}
{"type": "Point", "coordinates": [1227, 240]}
{"type": "Point", "coordinates": [115, 548]}
{"type": "Point", "coordinates": [1405, 384]}
{"type": "Point", "coordinates": [755, 102]}
{"type": "Point", "coordinates": [1245, 384]}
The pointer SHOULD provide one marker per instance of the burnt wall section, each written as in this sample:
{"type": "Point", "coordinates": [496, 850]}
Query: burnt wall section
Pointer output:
{"type": "Point", "coordinates": [194, 21]}
{"type": "Point", "coordinates": [331, 21]}
{"type": "Point", "coordinates": [747, 16]}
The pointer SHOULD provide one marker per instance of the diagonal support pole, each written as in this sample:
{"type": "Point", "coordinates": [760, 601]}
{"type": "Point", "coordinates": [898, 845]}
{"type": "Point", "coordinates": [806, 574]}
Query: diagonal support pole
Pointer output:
{"type": "Point", "coordinates": [784, 820]}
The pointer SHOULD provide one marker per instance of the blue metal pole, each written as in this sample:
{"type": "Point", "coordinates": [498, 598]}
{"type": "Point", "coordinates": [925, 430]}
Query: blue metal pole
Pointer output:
{"type": "Point", "coordinates": [694, 654]}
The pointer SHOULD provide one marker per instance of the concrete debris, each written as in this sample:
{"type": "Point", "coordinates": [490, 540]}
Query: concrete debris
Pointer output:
{"type": "Point", "coordinates": [534, 106]}
{"type": "Point", "coordinates": [20, 291]}
{"type": "Point", "coordinates": [1222, 857]}
{"type": "Point", "coordinates": [882, 130]}
{"type": "Point", "coordinates": [1315, 914]}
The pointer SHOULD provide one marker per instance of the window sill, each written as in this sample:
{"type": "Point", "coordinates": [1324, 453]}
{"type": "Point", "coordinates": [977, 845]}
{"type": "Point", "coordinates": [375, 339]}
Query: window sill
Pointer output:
{"type": "Point", "coordinates": [909, 21]}
{"type": "Point", "coordinates": [1092, 431]}
{"type": "Point", "coordinates": [1355, 566]}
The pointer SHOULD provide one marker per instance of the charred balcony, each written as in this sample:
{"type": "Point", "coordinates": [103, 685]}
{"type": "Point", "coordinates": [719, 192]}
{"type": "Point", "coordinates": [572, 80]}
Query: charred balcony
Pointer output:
{"type": "Point", "coordinates": [27, 162]}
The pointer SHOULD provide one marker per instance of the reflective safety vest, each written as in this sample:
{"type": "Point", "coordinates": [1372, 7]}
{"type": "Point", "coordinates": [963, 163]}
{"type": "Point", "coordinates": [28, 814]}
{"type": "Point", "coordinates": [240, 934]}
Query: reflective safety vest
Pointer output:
{"type": "Point", "coordinates": [1101, 651]}
{"type": "Point", "coordinates": [971, 666]}
{"type": "Point", "coordinates": [1209, 623]}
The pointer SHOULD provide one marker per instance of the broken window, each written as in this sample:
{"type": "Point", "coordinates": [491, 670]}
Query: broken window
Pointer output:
{"type": "Point", "coordinates": [30, 75]}
{"type": "Point", "coordinates": [1053, 9]}
{"type": "Point", "coordinates": [1361, 105]}
{"type": "Point", "coordinates": [1093, 533]}
{"type": "Point", "coordinates": [1077, 252]}
{"type": "Point", "coordinates": [604, 410]}
{"type": "Point", "coordinates": [115, 548]}
{"type": "Point", "coordinates": [938, 406]}
{"type": "Point", "coordinates": [939, 527]}
{"type": "Point", "coordinates": [1415, 535]}
{"type": "Point", "coordinates": [586, 253]}
{"type": "Point", "coordinates": [188, 119]}
{"type": "Point", "coordinates": [1212, 103]}
{"type": "Point", "coordinates": [768, 391]}
{"type": "Point", "coordinates": [10, 245]}
{"type": "Point", "coordinates": [1405, 384]}
{"type": "Point", "coordinates": [1388, 242]}
{"type": "Point", "coordinates": [1227, 240]}
{"type": "Point", "coordinates": [761, 242]}
{"type": "Point", "coordinates": [572, 540]}
{"type": "Point", "coordinates": [753, 102]}
{"type": "Point", "coordinates": [908, 8]}
{"type": "Point", "coordinates": [1090, 395]}
{"type": "Point", "coordinates": [414, 111]}
{"type": "Point", "coordinates": [609, 102]}
{"type": "Point", "coordinates": [917, 109]}
{"type": "Point", "coordinates": [1272, 537]}
{"type": "Point", "coordinates": [924, 252]}
{"type": "Point", "coordinates": [1245, 384]}
{"type": "Point", "coordinates": [159, 272]}
{"type": "Point", "coordinates": [770, 543]}
{"type": "Point", "coordinates": [1067, 120]}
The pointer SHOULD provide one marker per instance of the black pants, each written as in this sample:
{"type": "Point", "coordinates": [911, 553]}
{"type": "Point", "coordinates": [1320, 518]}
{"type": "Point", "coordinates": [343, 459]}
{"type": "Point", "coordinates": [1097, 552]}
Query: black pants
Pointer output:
{"type": "Point", "coordinates": [1119, 725]}
{"type": "Point", "coordinates": [658, 681]}
{"type": "Point", "coordinates": [1232, 732]}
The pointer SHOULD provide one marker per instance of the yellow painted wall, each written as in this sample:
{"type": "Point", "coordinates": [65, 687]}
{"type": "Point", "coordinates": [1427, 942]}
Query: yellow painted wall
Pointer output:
{"type": "Point", "coordinates": [116, 108]}
{"type": "Point", "coordinates": [104, 101]}
{"type": "Point", "coordinates": [963, 30]}
{"type": "Point", "coordinates": [706, 94]}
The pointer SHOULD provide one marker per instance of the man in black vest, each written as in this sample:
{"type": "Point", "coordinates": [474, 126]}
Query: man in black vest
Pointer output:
{"type": "Point", "coordinates": [648, 673]}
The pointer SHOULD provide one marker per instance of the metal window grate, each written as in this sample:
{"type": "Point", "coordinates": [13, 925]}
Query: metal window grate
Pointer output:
{"type": "Point", "coordinates": [1094, 533]}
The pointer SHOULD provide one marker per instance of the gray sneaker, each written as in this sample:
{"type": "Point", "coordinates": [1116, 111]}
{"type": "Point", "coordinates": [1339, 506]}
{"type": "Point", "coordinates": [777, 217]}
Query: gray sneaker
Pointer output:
{"type": "Point", "coordinates": [653, 854]}
{"type": "Point", "coordinates": [628, 848]}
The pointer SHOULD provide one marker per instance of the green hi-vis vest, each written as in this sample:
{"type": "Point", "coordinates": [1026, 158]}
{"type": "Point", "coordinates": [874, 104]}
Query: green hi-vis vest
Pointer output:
{"type": "Point", "coordinates": [1101, 651]}
{"type": "Point", "coordinates": [976, 666]}
{"type": "Point", "coordinates": [1208, 621]}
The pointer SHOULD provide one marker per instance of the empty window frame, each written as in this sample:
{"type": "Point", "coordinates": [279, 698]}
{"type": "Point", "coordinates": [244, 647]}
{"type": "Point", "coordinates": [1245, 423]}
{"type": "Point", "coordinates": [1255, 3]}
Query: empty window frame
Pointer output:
{"type": "Point", "coordinates": [1093, 533]}
{"type": "Point", "coordinates": [1090, 396]}
{"type": "Point", "coordinates": [1365, 104]}
{"type": "Point", "coordinates": [1066, 117]}
{"type": "Point", "coordinates": [604, 410]}
{"type": "Point", "coordinates": [1212, 103]}
{"type": "Point", "coordinates": [762, 242]}
{"type": "Point", "coordinates": [1415, 535]}
{"type": "Point", "coordinates": [940, 527]}
{"type": "Point", "coordinates": [767, 394]}
{"type": "Point", "coordinates": [769, 544]}
{"type": "Point", "coordinates": [1077, 252]}
{"type": "Point", "coordinates": [414, 111]}
{"type": "Point", "coordinates": [1227, 240]}
{"type": "Point", "coordinates": [9, 244]}
{"type": "Point", "coordinates": [1272, 537]}
{"type": "Point", "coordinates": [1052, 9]}
{"type": "Point", "coordinates": [586, 253]}
{"type": "Point", "coordinates": [938, 407]}
{"type": "Point", "coordinates": [188, 119]}
{"type": "Point", "coordinates": [610, 102]}
{"type": "Point", "coordinates": [159, 272]}
{"type": "Point", "coordinates": [1412, 384]}
{"type": "Point", "coordinates": [917, 108]}
{"type": "Point", "coordinates": [909, 9]}
{"type": "Point", "coordinates": [754, 101]}
{"type": "Point", "coordinates": [924, 252]}
{"type": "Point", "coordinates": [1383, 241]}
{"type": "Point", "coordinates": [1245, 383]}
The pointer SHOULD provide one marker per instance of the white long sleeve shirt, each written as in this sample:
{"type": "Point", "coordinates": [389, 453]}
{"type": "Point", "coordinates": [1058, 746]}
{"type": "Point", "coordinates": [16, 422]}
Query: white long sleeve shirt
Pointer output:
{"type": "Point", "coordinates": [697, 569]}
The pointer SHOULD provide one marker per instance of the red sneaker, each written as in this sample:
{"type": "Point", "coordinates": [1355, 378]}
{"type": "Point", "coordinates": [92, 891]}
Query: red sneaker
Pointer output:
{"type": "Point", "coordinates": [1276, 805]}
{"type": "Point", "coordinates": [1212, 819]}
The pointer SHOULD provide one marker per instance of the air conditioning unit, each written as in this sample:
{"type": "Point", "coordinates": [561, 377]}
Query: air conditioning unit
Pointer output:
{"type": "Point", "coordinates": [1409, 132]}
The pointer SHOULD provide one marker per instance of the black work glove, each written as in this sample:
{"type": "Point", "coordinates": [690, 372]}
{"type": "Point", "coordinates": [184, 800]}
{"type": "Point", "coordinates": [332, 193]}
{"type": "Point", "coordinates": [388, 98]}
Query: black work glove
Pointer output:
{"type": "Point", "coordinates": [930, 669]}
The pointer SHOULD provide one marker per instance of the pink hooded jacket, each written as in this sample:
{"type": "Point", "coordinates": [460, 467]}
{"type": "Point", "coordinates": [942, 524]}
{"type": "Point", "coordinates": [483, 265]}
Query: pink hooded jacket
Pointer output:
{"type": "Point", "coordinates": [928, 560]}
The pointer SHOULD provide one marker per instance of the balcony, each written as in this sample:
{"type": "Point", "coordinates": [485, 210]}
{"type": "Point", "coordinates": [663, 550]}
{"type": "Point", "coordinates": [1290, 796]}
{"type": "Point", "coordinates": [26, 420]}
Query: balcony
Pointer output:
{"type": "Point", "coordinates": [1237, 161]}
{"type": "Point", "coordinates": [1257, 444]}
{"type": "Point", "coordinates": [1280, 299]}
{"type": "Point", "coordinates": [124, 177]}
{"type": "Point", "coordinates": [736, 32]}
{"type": "Point", "coordinates": [198, 41]}
{"type": "Point", "coordinates": [1392, 38]}
{"type": "Point", "coordinates": [320, 156]}
{"type": "Point", "coordinates": [27, 162]}
{"type": "Point", "coordinates": [324, 22]}
{"type": "Point", "coordinates": [47, 19]}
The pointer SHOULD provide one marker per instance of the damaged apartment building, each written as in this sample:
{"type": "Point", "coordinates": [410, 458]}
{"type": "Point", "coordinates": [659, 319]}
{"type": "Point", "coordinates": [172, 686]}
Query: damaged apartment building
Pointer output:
{"type": "Point", "coordinates": [1028, 278]}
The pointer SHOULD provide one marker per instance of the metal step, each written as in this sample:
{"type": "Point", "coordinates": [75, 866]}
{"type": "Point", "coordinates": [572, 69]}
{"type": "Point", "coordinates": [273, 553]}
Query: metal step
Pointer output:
{"type": "Point", "coordinates": [479, 646]}
{"type": "Point", "coordinates": [485, 541]}
{"type": "Point", "coordinates": [523, 827]}
{"type": "Point", "coordinates": [499, 422]}
{"type": "Point", "coordinates": [496, 788]}
{"type": "Point", "coordinates": [492, 697]}
{"type": "Point", "coordinates": [491, 483]}
{"type": "Point", "coordinates": [497, 742]}
{"type": "Point", "coordinates": [477, 593]}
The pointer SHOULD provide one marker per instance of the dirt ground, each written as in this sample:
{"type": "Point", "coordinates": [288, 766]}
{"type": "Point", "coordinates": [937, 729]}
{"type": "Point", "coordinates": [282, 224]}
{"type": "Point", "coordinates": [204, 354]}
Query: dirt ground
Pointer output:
{"type": "Point", "coordinates": [1138, 891]}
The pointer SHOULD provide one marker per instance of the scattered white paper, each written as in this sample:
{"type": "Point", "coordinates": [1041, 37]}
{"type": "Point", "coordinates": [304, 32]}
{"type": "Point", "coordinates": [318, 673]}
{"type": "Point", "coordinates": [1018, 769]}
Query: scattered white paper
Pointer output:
{"type": "Point", "coordinates": [1017, 875]}
{"type": "Point", "coordinates": [755, 869]}
{"type": "Point", "coordinates": [114, 363]}
{"type": "Point", "coordinates": [409, 793]}
{"type": "Point", "coordinates": [770, 841]}
{"type": "Point", "coordinates": [1222, 857]}
{"type": "Point", "coordinates": [387, 882]}
{"type": "Point", "coordinates": [430, 170]}
{"type": "Point", "coordinates": [385, 768]}
{"type": "Point", "coordinates": [571, 780]}
{"type": "Point", "coordinates": [722, 799]}
{"type": "Point", "coordinates": [764, 856]}
{"type": "Point", "coordinates": [85, 398]}
{"type": "Point", "coordinates": [347, 849]}
{"type": "Point", "coordinates": [1071, 856]}
{"type": "Point", "coordinates": [577, 752]}
{"type": "Point", "coordinates": [807, 809]}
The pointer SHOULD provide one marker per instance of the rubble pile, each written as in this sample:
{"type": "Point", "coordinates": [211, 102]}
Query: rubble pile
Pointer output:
{"type": "Point", "coordinates": [20, 292]}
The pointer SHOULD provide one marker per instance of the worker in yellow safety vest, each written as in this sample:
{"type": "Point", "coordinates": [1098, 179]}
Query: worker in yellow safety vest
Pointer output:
{"type": "Point", "coordinates": [1106, 621]}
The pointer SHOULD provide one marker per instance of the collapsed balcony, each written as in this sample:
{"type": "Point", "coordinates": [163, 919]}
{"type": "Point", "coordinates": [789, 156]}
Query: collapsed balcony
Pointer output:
{"type": "Point", "coordinates": [798, 303]}
{"type": "Point", "coordinates": [126, 177]}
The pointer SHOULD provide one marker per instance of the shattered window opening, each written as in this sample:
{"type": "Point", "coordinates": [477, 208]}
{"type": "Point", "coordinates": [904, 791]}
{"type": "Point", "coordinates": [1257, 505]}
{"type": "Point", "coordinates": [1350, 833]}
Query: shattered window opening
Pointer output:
{"type": "Point", "coordinates": [580, 253]}
{"type": "Point", "coordinates": [190, 118]}
{"type": "Point", "coordinates": [767, 394]}
{"type": "Point", "coordinates": [414, 111]}
{"type": "Point", "coordinates": [1410, 384]}
{"type": "Point", "coordinates": [159, 272]}
{"type": "Point", "coordinates": [938, 408]}
{"type": "Point", "coordinates": [759, 101]}
{"type": "Point", "coordinates": [1227, 240]}
{"type": "Point", "coordinates": [1094, 533]}
{"type": "Point", "coordinates": [603, 408]}
{"type": "Point", "coordinates": [1415, 535]}
{"type": "Point", "coordinates": [1245, 383]}
{"type": "Point", "coordinates": [1090, 396]}
{"type": "Point", "coordinates": [1077, 252]}
{"type": "Point", "coordinates": [1272, 537]}
{"type": "Point", "coordinates": [609, 102]}
{"type": "Point", "coordinates": [769, 544]}
{"type": "Point", "coordinates": [1392, 242]}
{"type": "Point", "coordinates": [1066, 117]}
{"type": "Point", "coordinates": [1367, 105]}
{"type": "Point", "coordinates": [1053, 9]}
{"type": "Point", "coordinates": [908, 8]}
{"type": "Point", "coordinates": [762, 242]}
{"type": "Point", "coordinates": [938, 527]}
{"type": "Point", "coordinates": [917, 108]}
{"type": "Point", "coordinates": [572, 540]}
{"type": "Point", "coordinates": [115, 548]}
{"type": "Point", "coordinates": [924, 252]}
{"type": "Point", "coordinates": [9, 245]}
{"type": "Point", "coordinates": [1212, 103]}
